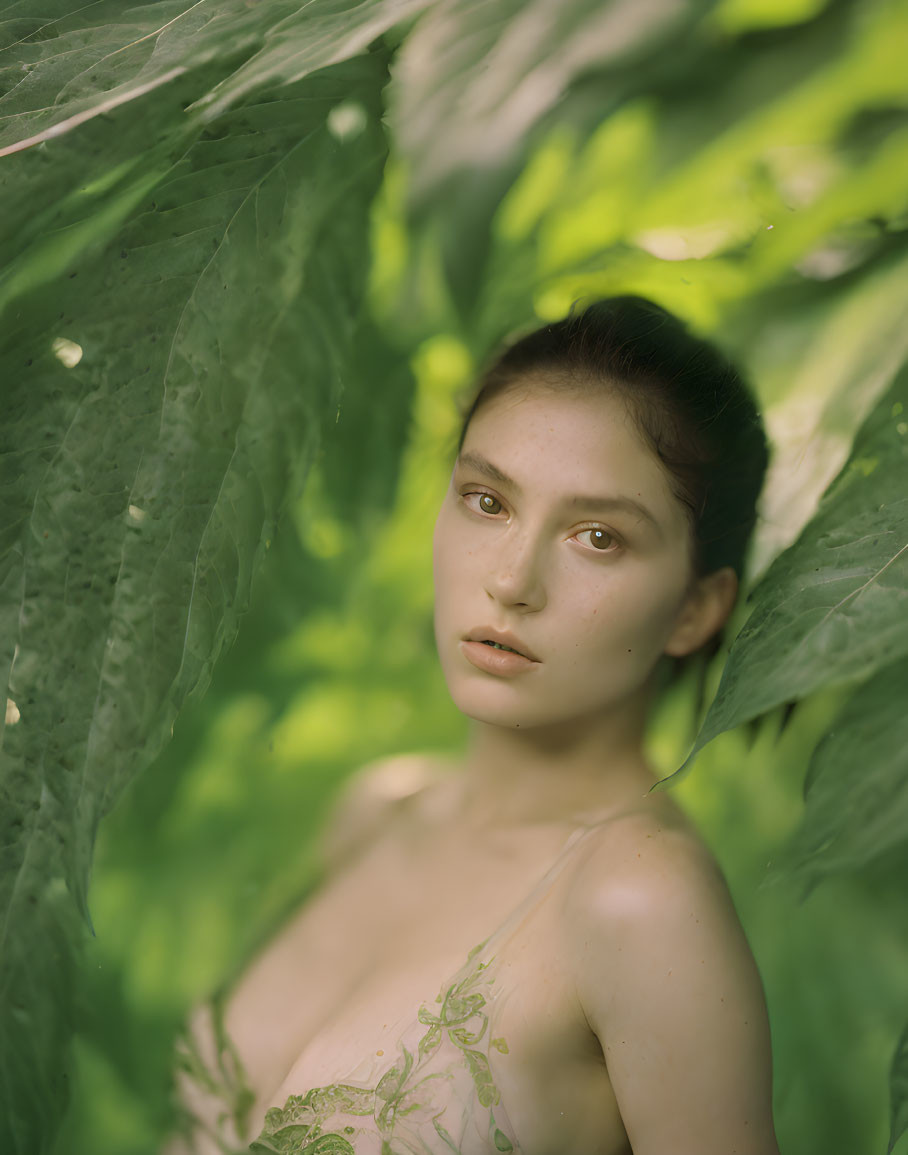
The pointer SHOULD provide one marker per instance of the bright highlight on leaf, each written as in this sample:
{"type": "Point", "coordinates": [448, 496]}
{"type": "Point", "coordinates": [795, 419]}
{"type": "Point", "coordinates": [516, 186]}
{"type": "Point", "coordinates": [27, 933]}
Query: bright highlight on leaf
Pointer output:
{"type": "Point", "coordinates": [67, 352]}
{"type": "Point", "coordinates": [347, 120]}
{"type": "Point", "coordinates": [684, 244]}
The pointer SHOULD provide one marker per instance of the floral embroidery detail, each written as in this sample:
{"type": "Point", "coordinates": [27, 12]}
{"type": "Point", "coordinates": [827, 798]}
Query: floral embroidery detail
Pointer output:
{"type": "Point", "coordinates": [406, 1101]}
{"type": "Point", "coordinates": [225, 1081]}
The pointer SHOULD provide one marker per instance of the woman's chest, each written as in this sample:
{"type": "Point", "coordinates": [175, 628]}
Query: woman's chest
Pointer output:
{"type": "Point", "coordinates": [492, 1043]}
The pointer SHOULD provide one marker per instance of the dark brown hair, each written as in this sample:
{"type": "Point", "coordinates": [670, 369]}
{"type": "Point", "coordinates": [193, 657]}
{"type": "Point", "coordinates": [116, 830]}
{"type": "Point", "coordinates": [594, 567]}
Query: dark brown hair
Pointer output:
{"type": "Point", "coordinates": [689, 403]}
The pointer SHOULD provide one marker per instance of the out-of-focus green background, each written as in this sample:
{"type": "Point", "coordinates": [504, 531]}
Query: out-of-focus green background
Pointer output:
{"type": "Point", "coordinates": [767, 207]}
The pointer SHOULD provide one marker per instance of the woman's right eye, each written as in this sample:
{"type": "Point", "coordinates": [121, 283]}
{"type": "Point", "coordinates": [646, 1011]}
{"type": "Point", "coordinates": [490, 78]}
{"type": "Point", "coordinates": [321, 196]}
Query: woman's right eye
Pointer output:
{"type": "Point", "coordinates": [483, 503]}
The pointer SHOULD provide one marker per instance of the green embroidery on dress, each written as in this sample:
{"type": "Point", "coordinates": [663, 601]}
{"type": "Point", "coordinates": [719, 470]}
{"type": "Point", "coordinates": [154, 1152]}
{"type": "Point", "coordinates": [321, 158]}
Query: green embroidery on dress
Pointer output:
{"type": "Point", "coordinates": [227, 1081]}
{"type": "Point", "coordinates": [297, 1126]}
{"type": "Point", "coordinates": [301, 1126]}
{"type": "Point", "coordinates": [502, 1142]}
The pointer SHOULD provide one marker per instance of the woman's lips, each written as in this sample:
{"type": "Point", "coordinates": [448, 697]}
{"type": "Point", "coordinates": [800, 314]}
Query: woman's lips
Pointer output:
{"type": "Point", "coordinates": [502, 662]}
{"type": "Point", "coordinates": [503, 637]}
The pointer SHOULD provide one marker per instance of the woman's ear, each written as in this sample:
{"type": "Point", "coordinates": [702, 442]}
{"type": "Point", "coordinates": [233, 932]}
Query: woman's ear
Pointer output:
{"type": "Point", "coordinates": [704, 612]}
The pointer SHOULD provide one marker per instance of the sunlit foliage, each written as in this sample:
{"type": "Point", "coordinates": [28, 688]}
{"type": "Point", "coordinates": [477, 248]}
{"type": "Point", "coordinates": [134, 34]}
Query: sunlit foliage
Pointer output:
{"type": "Point", "coordinates": [216, 288]}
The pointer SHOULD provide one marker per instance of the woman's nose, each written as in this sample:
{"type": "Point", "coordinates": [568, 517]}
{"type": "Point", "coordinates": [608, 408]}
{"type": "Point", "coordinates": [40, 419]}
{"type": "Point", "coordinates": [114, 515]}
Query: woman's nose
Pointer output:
{"type": "Point", "coordinates": [515, 576]}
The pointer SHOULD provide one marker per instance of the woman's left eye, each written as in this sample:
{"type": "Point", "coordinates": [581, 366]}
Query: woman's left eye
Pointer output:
{"type": "Point", "coordinates": [599, 539]}
{"type": "Point", "coordinates": [483, 503]}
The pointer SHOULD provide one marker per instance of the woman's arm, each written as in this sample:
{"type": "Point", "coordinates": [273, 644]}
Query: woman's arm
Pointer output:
{"type": "Point", "coordinates": [669, 985]}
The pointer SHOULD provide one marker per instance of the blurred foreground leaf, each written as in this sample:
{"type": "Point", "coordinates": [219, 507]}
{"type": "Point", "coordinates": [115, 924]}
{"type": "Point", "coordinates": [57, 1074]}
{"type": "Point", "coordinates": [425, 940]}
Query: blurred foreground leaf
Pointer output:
{"type": "Point", "coordinates": [472, 82]}
{"type": "Point", "coordinates": [161, 406]}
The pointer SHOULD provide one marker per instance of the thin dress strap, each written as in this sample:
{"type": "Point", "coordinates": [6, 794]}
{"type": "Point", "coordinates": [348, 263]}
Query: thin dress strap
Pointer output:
{"type": "Point", "coordinates": [519, 911]}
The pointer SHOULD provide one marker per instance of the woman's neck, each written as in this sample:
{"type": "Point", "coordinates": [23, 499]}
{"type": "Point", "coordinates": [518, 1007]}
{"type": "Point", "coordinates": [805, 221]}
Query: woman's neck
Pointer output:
{"type": "Point", "coordinates": [548, 774]}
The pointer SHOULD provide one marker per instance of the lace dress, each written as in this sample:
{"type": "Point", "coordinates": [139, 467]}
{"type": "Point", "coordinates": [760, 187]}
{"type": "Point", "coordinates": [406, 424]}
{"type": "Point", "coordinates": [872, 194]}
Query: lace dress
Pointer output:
{"type": "Point", "coordinates": [438, 1094]}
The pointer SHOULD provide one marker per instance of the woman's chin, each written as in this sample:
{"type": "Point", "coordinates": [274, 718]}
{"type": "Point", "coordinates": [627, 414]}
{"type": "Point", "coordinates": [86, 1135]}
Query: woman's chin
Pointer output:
{"type": "Point", "coordinates": [492, 707]}
{"type": "Point", "coordinates": [504, 705]}
{"type": "Point", "coordinates": [481, 707]}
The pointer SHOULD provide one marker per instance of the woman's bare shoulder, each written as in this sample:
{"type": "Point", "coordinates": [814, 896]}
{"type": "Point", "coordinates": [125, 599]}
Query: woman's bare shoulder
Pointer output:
{"type": "Point", "coordinates": [649, 916]}
{"type": "Point", "coordinates": [667, 983]}
{"type": "Point", "coordinates": [363, 812]}
{"type": "Point", "coordinates": [372, 796]}
{"type": "Point", "coordinates": [643, 860]}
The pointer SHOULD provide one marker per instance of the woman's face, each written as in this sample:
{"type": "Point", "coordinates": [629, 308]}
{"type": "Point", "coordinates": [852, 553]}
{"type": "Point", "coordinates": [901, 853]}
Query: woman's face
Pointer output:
{"type": "Point", "coordinates": [560, 537]}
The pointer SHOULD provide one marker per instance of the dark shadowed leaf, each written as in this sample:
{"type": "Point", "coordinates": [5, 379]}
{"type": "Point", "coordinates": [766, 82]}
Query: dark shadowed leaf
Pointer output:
{"type": "Point", "coordinates": [899, 1091]}
{"type": "Point", "coordinates": [857, 784]}
{"type": "Point", "coordinates": [161, 406]}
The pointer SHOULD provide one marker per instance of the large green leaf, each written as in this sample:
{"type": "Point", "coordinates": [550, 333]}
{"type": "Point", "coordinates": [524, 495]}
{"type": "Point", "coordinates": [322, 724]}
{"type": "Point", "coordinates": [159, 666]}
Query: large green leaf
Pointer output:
{"type": "Point", "coordinates": [70, 63]}
{"type": "Point", "coordinates": [857, 783]}
{"type": "Point", "coordinates": [161, 405]}
{"type": "Point", "coordinates": [164, 71]}
{"type": "Point", "coordinates": [834, 606]}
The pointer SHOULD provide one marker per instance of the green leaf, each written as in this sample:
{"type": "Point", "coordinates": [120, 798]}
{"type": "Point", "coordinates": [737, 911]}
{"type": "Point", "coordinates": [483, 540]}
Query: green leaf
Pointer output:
{"type": "Point", "coordinates": [163, 73]}
{"type": "Point", "coordinates": [857, 783]}
{"type": "Point", "coordinates": [391, 1085]}
{"type": "Point", "coordinates": [834, 606]}
{"type": "Point", "coordinates": [344, 1097]}
{"type": "Point", "coordinates": [162, 405]}
{"type": "Point", "coordinates": [471, 81]}
{"type": "Point", "coordinates": [898, 1084]}
{"type": "Point", "coordinates": [72, 64]}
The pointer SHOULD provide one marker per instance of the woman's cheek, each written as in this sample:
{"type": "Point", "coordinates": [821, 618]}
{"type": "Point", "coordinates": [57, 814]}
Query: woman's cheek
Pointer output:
{"type": "Point", "coordinates": [629, 620]}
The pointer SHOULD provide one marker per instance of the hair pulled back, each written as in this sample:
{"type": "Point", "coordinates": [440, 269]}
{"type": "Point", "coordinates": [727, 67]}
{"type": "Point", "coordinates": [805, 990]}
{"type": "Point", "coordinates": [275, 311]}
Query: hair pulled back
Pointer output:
{"type": "Point", "coordinates": [688, 402]}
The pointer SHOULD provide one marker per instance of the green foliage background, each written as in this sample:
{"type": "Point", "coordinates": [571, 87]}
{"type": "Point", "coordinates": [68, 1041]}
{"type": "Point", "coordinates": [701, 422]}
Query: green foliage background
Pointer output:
{"type": "Point", "coordinates": [253, 256]}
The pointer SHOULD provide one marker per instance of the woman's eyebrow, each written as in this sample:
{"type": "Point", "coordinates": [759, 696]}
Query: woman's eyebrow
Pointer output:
{"type": "Point", "coordinates": [475, 461]}
{"type": "Point", "coordinates": [625, 504]}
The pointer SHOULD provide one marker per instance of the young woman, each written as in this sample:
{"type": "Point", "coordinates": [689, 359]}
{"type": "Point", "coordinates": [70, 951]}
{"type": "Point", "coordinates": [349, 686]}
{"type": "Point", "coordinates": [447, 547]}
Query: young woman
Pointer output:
{"type": "Point", "coordinates": [529, 949]}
